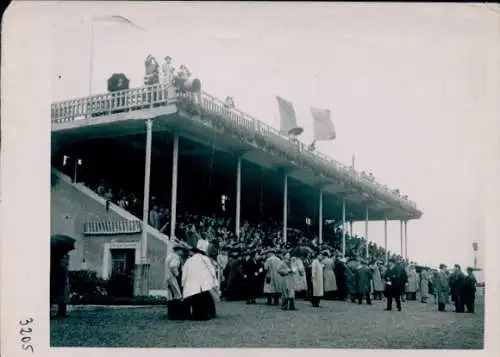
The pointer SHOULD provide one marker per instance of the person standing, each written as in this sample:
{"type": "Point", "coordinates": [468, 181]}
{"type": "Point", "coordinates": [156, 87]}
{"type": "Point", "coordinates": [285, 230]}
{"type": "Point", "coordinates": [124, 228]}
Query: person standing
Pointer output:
{"type": "Point", "coordinates": [199, 283]}
{"type": "Point", "coordinates": [329, 281]}
{"type": "Point", "coordinates": [299, 276]}
{"type": "Point", "coordinates": [251, 271]}
{"type": "Point", "coordinates": [395, 280]}
{"type": "Point", "coordinates": [363, 282]}
{"type": "Point", "coordinates": [272, 284]}
{"type": "Point", "coordinates": [442, 288]}
{"type": "Point", "coordinates": [341, 278]}
{"type": "Point", "coordinates": [457, 279]}
{"type": "Point", "coordinates": [173, 263]}
{"type": "Point", "coordinates": [424, 285]}
{"type": "Point", "coordinates": [412, 283]}
{"type": "Point", "coordinates": [378, 285]}
{"type": "Point", "coordinates": [287, 283]}
{"type": "Point", "coordinates": [351, 279]}
{"type": "Point", "coordinates": [469, 290]}
{"type": "Point", "coordinates": [317, 280]}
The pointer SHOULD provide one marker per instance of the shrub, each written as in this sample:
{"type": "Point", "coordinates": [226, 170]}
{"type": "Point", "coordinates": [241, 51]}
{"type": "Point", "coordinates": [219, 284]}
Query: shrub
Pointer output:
{"type": "Point", "coordinates": [86, 287]}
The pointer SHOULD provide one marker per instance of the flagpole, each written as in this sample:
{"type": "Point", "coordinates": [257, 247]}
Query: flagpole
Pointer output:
{"type": "Point", "coordinates": [91, 55]}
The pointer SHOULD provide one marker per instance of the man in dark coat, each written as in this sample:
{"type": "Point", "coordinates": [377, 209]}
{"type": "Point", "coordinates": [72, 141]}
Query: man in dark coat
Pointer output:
{"type": "Point", "coordinates": [395, 280]}
{"type": "Point", "coordinates": [363, 281]}
{"type": "Point", "coordinates": [457, 280]}
{"type": "Point", "coordinates": [341, 277]}
{"type": "Point", "coordinates": [251, 271]}
{"type": "Point", "coordinates": [469, 290]}
{"type": "Point", "coordinates": [233, 273]}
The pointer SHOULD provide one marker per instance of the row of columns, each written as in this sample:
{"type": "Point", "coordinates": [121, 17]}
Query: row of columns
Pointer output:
{"type": "Point", "coordinates": [173, 206]}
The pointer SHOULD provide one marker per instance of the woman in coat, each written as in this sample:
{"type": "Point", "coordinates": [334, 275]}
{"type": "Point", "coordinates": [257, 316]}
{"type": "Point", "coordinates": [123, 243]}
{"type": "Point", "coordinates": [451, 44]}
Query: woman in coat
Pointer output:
{"type": "Point", "coordinates": [378, 285]}
{"type": "Point", "coordinates": [329, 281]}
{"type": "Point", "coordinates": [424, 285]}
{"type": "Point", "coordinates": [412, 283]}
{"type": "Point", "coordinates": [286, 272]}
{"type": "Point", "coordinates": [299, 276]}
{"type": "Point", "coordinates": [173, 263]}
{"type": "Point", "coordinates": [317, 280]}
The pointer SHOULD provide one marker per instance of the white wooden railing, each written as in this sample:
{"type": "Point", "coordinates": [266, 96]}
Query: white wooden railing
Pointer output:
{"type": "Point", "coordinates": [158, 95]}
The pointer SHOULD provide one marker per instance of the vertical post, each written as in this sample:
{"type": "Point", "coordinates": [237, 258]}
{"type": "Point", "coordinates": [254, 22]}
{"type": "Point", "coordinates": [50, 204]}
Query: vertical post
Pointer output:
{"type": "Point", "coordinates": [141, 279]}
{"type": "Point", "coordinates": [406, 240]}
{"type": "Point", "coordinates": [343, 226]}
{"type": "Point", "coordinates": [385, 242]}
{"type": "Point", "coordinates": [351, 230]}
{"type": "Point", "coordinates": [173, 195]}
{"type": "Point", "coordinates": [401, 237]}
{"type": "Point", "coordinates": [238, 197]}
{"type": "Point", "coordinates": [285, 207]}
{"type": "Point", "coordinates": [366, 232]}
{"type": "Point", "coordinates": [320, 217]}
{"type": "Point", "coordinates": [147, 177]}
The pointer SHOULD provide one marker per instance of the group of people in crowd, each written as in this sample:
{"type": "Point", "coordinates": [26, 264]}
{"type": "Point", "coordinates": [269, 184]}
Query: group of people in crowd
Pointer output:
{"type": "Point", "coordinates": [210, 261]}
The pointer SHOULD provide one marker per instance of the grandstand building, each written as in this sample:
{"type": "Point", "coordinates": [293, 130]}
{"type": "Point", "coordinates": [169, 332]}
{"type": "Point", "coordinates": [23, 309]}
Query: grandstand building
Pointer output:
{"type": "Point", "coordinates": [190, 153]}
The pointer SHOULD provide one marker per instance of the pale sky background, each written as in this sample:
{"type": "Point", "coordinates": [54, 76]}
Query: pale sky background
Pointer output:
{"type": "Point", "coordinates": [406, 85]}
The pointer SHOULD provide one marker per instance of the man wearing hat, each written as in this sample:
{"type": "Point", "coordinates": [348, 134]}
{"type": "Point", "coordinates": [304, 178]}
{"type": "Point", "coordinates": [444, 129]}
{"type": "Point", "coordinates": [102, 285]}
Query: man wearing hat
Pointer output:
{"type": "Point", "coordinates": [168, 70]}
{"type": "Point", "coordinates": [173, 264]}
{"type": "Point", "coordinates": [251, 272]}
{"type": "Point", "coordinates": [363, 282]}
{"type": "Point", "coordinates": [395, 280]}
{"type": "Point", "coordinates": [442, 288]}
{"type": "Point", "coordinates": [469, 290]}
{"type": "Point", "coordinates": [317, 279]}
{"type": "Point", "coordinates": [272, 284]}
{"type": "Point", "coordinates": [457, 280]}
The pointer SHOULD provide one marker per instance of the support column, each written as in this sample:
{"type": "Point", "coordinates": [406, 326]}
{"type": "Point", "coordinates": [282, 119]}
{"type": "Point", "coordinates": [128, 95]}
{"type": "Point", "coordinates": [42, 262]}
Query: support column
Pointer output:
{"type": "Point", "coordinates": [173, 195]}
{"type": "Point", "coordinates": [142, 270]}
{"type": "Point", "coordinates": [285, 207]}
{"type": "Point", "coordinates": [401, 237]}
{"type": "Point", "coordinates": [351, 231]}
{"type": "Point", "coordinates": [385, 242]}
{"type": "Point", "coordinates": [366, 232]}
{"type": "Point", "coordinates": [406, 240]}
{"type": "Point", "coordinates": [320, 217]}
{"type": "Point", "coordinates": [343, 227]}
{"type": "Point", "coordinates": [238, 197]}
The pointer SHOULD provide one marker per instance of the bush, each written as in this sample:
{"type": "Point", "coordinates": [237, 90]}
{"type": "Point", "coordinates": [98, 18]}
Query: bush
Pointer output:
{"type": "Point", "coordinates": [86, 287]}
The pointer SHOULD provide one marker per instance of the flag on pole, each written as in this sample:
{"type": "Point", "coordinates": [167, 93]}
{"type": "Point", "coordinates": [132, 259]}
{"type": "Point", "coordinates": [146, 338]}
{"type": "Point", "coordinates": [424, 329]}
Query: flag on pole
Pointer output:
{"type": "Point", "coordinates": [117, 19]}
{"type": "Point", "coordinates": [324, 129]}
{"type": "Point", "coordinates": [288, 118]}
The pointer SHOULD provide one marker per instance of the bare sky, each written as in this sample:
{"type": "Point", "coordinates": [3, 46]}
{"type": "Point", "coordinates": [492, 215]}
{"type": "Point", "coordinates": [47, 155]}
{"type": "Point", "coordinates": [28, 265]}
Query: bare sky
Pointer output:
{"type": "Point", "coordinates": [406, 85]}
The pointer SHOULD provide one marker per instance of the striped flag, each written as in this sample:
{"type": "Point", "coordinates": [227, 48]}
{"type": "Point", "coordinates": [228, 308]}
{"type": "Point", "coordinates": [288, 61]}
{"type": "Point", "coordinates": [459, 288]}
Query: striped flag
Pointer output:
{"type": "Point", "coordinates": [288, 118]}
{"type": "Point", "coordinates": [116, 19]}
{"type": "Point", "coordinates": [324, 129]}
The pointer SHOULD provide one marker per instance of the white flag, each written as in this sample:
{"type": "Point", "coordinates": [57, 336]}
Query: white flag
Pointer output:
{"type": "Point", "coordinates": [116, 19]}
{"type": "Point", "coordinates": [288, 118]}
{"type": "Point", "coordinates": [323, 126]}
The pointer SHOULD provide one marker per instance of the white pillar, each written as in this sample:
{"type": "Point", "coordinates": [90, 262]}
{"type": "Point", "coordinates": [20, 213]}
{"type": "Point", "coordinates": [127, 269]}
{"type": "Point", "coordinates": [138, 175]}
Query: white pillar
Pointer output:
{"type": "Point", "coordinates": [320, 217]}
{"type": "Point", "coordinates": [285, 206]}
{"type": "Point", "coordinates": [401, 236]}
{"type": "Point", "coordinates": [173, 195]}
{"type": "Point", "coordinates": [406, 240]}
{"type": "Point", "coordinates": [385, 241]}
{"type": "Point", "coordinates": [343, 227]}
{"type": "Point", "coordinates": [366, 232]}
{"type": "Point", "coordinates": [238, 197]}
{"type": "Point", "coordinates": [147, 177]}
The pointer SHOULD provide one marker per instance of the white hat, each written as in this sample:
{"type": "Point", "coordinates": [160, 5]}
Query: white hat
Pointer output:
{"type": "Point", "coordinates": [202, 245]}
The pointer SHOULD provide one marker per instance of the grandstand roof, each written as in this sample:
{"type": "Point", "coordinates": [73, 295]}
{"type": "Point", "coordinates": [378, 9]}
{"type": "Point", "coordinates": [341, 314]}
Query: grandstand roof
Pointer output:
{"type": "Point", "coordinates": [123, 113]}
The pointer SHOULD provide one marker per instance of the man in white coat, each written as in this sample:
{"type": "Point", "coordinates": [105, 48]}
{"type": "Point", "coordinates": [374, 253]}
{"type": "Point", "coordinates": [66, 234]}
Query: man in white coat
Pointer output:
{"type": "Point", "coordinates": [317, 279]}
{"type": "Point", "coordinates": [272, 283]}
{"type": "Point", "coordinates": [199, 283]}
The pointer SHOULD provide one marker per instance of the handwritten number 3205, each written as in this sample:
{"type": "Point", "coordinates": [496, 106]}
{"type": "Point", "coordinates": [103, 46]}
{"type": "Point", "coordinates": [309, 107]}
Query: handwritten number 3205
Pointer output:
{"type": "Point", "coordinates": [25, 332]}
